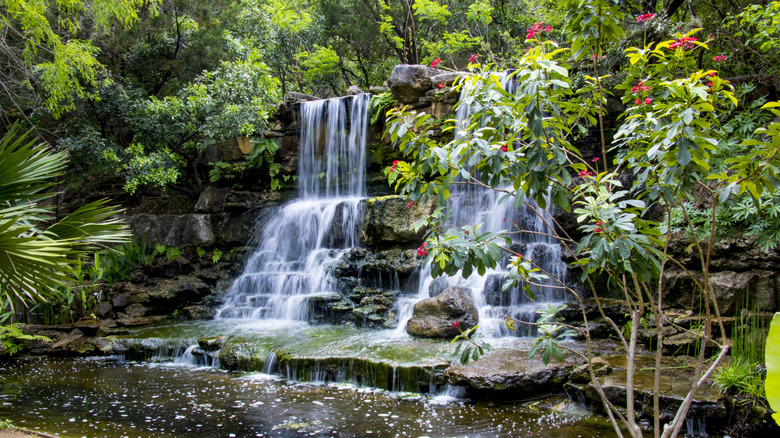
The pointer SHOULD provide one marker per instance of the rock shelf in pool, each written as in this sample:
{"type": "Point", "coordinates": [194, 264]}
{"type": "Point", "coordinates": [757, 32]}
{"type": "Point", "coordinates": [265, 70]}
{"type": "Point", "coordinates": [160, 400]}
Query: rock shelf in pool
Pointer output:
{"type": "Point", "coordinates": [380, 359]}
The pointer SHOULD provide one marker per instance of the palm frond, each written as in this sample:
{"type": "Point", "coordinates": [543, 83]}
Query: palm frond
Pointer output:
{"type": "Point", "coordinates": [27, 168]}
{"type": "Point", "coordinates": [93, 224]}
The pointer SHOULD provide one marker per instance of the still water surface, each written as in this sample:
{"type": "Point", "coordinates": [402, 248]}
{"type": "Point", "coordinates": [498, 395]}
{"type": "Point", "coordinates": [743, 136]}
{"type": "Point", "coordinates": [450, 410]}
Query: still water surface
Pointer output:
{"type": "Point", "coordinates": [99, 398]}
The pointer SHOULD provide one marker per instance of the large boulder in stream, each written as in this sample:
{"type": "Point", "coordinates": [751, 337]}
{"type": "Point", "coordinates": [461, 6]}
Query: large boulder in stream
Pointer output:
{"type": "Point", "coordinates": [436, 317]}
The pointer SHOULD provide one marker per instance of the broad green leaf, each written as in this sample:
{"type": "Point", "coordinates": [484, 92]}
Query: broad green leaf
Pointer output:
{"type": "Point", "coordinates": [772, 358]}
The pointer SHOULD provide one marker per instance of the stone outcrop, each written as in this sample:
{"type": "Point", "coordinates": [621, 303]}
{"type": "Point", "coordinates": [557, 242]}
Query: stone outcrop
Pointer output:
{"type": "Point", "coordinates": [408, 83]}
{"type": "Point", "coordinates": [388, 220]}
{"type": "Point", "coordinates": [436, 317]}
{"type": "Point", "coordinates": [508, 374]}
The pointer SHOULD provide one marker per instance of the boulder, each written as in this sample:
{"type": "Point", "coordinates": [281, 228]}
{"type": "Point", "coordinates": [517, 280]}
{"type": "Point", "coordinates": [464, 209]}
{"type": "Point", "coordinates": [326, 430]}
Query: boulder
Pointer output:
{"type": "Point", "coordinates": [211, 200]}
{"type": "Point", "coordinates": [167, 295]}
{"type": "Point", "coordinates": [354, 89]}
{"type": "Point", "coordinates": [408, 83]}
{"type": "Point", "coordinates": [733, 290]}
{"type": "Point", "coordinates": [197, 231]}
{"type": "Point", "coordinates": [388, 220]}
{"type": "Point", "coordinates": [435, 317]}
{"type": "Point", "coordinates": [447, 78]}
{"type": "Point", "coordinates": [294, 96]}
{"type": "Point", "coordinates": [508, 374]}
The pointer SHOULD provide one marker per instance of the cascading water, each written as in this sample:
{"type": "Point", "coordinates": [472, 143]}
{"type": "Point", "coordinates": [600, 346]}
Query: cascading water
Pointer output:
{"type": "Point", "coordinates": [472, 205]}
{"type": "Point", "coordinates": [307, 235]}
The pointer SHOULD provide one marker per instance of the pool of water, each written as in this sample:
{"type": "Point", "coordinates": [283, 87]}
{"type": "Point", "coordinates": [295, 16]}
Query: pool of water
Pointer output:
{"type": "Point", "coordinates": [96, 397]}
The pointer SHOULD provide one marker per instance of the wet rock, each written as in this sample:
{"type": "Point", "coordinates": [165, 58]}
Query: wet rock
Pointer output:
{"type": "Point", "coordinates": [328, 308]}
{"type": "Point", "coordinates": [408, 82]}
{"type": "Point", "coordinates": [104, 309]}
{"type": "Point", "coordinates": [137, 310]}
{"type": "Point", "coordinates": [388, 221]}
{"type": "Point", "coordinates": [674, 385]}
{"type": "Point", "coordinates": [581, 374]}
{"type": "Point", "coordinates": [435, 317]}
{"type": "Point", "coordinates": [125, 299]}
{"type": "Point", "coordinates": [508, 374]}
{"type": "Point", "coordinates": [199, 312]}
{"type": "Point", "coordinates": [211, 344]}
{"type": "Point", "coordinates": [87, 326]}
{"type": "Point", "coordinates": [168, 295]}
{"type": "Point", "coordinates": [128, 321]}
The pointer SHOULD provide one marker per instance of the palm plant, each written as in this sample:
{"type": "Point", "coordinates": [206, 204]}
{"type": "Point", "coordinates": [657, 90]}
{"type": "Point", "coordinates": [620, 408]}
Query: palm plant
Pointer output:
{"type": "Point", "coordinates": [37, 253]}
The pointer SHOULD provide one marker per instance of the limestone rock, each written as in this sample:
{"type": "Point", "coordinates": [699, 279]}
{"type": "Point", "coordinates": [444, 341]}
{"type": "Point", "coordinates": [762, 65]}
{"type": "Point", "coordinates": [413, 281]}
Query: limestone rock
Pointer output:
{"type": "Point", "coordinates": [388, 220]}
{"type": "Point", "coordinates": [211, 200]}
{"type": "Point", "coordinates": [198, 231]}
{"type": "Point", "coordinates": [435, 317]}
{"type": "Point", "coordinates": [354, 89]}
{"type": "Point", "coordinates": [447, 78]}
{"type": "Point", "coordinates": [508, 373]}
{"type": "Point", "coordinates": [731, 290]}
{"type": "Point", "coordinates": [408, 83]}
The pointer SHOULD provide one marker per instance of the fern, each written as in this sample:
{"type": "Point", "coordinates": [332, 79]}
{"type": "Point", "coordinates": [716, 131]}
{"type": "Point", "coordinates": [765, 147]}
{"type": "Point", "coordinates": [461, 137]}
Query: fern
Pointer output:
{"type": "Point", "coordinates": [11, 334]}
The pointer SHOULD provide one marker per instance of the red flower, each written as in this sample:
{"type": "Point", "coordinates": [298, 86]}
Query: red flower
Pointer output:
{"type": "Point", "coordinates": [422, 250]}
{"type": "Point", "coordinates": [640, 87]}
{"type": "Point", "coordinates": [684, 43]}
{"type": "Point", "coordinates": [648, 101]}
{"type": "Point", "coordinates": [456, 324]}
{"type": "Point", "coordinates": [435, 62]}
{"type": "Point", "coordinates": [409, 205]}
{"type": "Point", "coordinates": [504, 148]}
{"type": "Point", "coordinates": [712, 74]}
{"type": "Point", "coordinates": [392, 168]}
{"type": "Point", "coordinates": [595, 159]}
{"type": "Point", "coordinates": [441, 86]}
{"type": "Point", "coordinates": [467, 232]}
{"type": "Point", "coordinates": [638, 101]}
{"type": "Point", "coordinates": [473, 58]}
{"type": "Point", "coordinates": [709, 84]}
{"type": "Point", "coordinates": [720, 58]}
{"type": "Point", "coordinates": [537, 27]}
{"type": "Point", "coordinates": [584, 173]}
{"type": "Point", "coordinates": [644, 17]}
{"type": "Point", "coordinates": [597, 230]}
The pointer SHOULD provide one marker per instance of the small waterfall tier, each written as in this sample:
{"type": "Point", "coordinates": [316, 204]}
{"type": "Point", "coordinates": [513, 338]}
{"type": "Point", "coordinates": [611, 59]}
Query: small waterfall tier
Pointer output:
{"type": "Point", "coordinates": [471, 205]}
{"type": "Point", "coordinates": [306, 236]}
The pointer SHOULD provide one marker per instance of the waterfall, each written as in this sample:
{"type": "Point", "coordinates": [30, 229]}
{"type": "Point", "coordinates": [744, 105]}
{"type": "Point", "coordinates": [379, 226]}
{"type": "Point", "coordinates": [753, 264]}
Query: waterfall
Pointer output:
{"type": "Point", "coordinates": [305, 236]}
{"type": "Point", "coordinates": [473, 205]}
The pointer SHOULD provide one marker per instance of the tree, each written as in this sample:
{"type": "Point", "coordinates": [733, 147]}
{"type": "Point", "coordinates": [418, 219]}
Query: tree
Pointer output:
{"type": "Point", "coordinates": [58, 58]}
{"type": "Point", "coordinates": [520, 144]}
{"type": "Point", "coordinates": [36, 253]}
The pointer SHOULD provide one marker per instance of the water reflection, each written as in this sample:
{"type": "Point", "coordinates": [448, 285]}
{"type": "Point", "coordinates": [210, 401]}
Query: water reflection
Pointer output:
{"type": "Point", "coordinates": [98, 398]}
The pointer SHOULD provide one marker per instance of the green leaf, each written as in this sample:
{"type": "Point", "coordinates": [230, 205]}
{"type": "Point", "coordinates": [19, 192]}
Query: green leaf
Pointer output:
{"type": "Point", "coordinates": [772, 358]}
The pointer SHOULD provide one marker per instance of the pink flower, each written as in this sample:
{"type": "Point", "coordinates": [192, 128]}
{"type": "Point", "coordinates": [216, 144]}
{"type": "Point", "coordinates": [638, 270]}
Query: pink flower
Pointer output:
{"type": "Point", "coordinates": [584, 173]}
{"type": "Point", "coordinates": [409, 205]}
{"type": "Point", "coordinates": [456, 324]}
{"type": "Point", "coordinates": [441, 86]}
{"type": "Point", "coordinates": [639, 87]}
{"type": "Point", "coordinates": [422, 250]}
{"type": "Point", "coordinates": [537, 27]}
{"type": "Point", "coordinates": [720, 58]}
{"type": "Point", "coordinates": [709, 84]}
{"type": "Point", "coordinates": [392, 168]}
{"type": "Point", "coordinates": [644, 17]}
{"type": "Point", "coordinates": [648, 101]}
{"type": "Point", "coordinates": [435, 62]}
{"type": "Point", "coordinates": [638, 101]}
{"type": "Point", "coordinates": [684, 43]}
{"type": "Point", "coordinates": [595, 159]}
{"type": "Point", "coordinates": [473, 58]}
{"type": "Point", "coordinates": [712, 74]}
